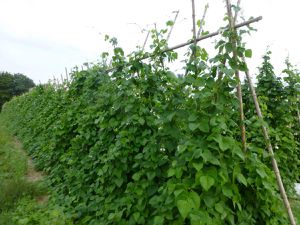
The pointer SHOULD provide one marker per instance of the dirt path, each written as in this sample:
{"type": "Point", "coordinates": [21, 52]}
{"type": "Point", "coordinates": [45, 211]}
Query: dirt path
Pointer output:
{"type": "Point", "coordinates": [32, 174]}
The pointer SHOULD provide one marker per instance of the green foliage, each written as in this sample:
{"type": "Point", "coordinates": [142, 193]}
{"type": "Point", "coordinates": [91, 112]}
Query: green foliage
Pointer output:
{"type": "Point", "coordinates": [13, 85]}
{"type": "Point", "coordinates": [279, 103]}
{"type": "Point", "coordinates": [296, 206]}
{"type": "Point", "coordinates": [137, 145]}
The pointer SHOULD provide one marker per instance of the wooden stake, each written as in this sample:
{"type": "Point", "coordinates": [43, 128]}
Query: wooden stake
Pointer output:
{"type": "Point", "coordinates": [238, 9]}
{"type": "Point", "coordinates": [67, 75]}
{"type": "Point", "coordinates": [145, 42]}
{"type": "Point", "coordinates": [271, 152]}
{"type": "Point", "coordinates": [239, 87]}
{"type": "Point", "coordinates": [194, 28]}
{"type": "Point", "coordinates": [174, 21]}
{"type": "Point", "coordinates": [194, 21]}
{"type": "Point", "coordinates": [202, 21]}
{"type": "Point", "coordinates": [198, 35]}
{"type": "Point", "coordinates": [62, 79]}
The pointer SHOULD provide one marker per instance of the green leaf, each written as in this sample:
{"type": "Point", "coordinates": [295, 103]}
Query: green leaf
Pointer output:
{"type": "Point", "coordinates": [198, 166]}
{"type": "Point", "coordinates": [136, 176]}
{"type": "Point", "coordinates": [219, 208]}
{"type": "Point", "coordinates": [170, 23]}
{"type": "Point", "coordinates": [241, 179]}
{"type": "Point", "coordinates": [184, 208]}
{"type": "Point", "coordinates": [141, 121]}
{"type": "Point", "coordinates": [171, 172]}
{"type": "Point", "coordinates": [136, 216]}
{"type": "Point", "coordinates": [193, 126]}
{"type": "Point", "coordinates": [207, 182]}
{"type": "Point", "coordinates": [261, 173]}
{"type": "Point", "coordinates": [227, 191]}
{"type": "Point", "coordinates": [204, 124]}
{"type": "Point", "coordinates": [195, 198]}
{"type": "Point", "coordinates": [208, 157]}
{"type": "Point", "coordinates": [158, 220]}
{"type": "Point", "coordinates": [192, 118]}
{"type": "Point", "coordinates": [248, 53]}
{"type": "Point", "coordinates": [119, 181]}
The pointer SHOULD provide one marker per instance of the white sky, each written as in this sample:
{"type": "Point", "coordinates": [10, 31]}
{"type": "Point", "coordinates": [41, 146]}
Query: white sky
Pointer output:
{"type": "Point", "coordinates": [41, 37]}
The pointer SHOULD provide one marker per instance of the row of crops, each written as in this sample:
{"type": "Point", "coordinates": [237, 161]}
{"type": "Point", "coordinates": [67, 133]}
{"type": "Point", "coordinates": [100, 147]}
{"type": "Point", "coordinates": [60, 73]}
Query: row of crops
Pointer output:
{"type": "Point", "coordinates": [141, 145]}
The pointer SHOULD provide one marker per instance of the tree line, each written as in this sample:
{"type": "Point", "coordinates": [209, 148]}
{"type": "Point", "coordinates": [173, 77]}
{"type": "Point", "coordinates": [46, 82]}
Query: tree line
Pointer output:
{"type": "Point", "coordinates": [13, 85]}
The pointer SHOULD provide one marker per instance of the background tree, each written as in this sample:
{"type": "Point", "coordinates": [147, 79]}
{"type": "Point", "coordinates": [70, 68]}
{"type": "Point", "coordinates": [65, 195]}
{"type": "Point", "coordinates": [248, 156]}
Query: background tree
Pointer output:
{"type": "Point", "coordinates": [13, 85]}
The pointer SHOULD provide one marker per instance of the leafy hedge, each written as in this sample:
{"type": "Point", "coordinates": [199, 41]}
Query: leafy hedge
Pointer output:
{"type": "Point", "coordinates": [139, 145]}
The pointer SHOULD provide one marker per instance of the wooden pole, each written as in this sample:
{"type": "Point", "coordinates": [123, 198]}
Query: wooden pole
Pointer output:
{"type": "Point", "coordinates": [174, 21]}
{"type": "Point", "coordinates": [202, 21]}
{"type": "Point", "coordinates": [194, 23]}
{"type": "Point", "coordinates": [271, 152]}
{"type": "Point", "coordinates": [198, 35]}
{"type": "Point", "coordinates": [67, 75]}
{"type": "Point", "coordinates": [238, 9]}
{"type": "Point", "coordinates": [62, 79]}
{"type": "Point", "coordinates": [145, 42]}
{"type": "Point", "coordinates": [239, 87]}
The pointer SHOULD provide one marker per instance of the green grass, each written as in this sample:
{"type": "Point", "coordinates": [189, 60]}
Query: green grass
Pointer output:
{"type": "Point", "coordinates": [13, 167]}
{"type": "Point", "coordinates": [18, 204]}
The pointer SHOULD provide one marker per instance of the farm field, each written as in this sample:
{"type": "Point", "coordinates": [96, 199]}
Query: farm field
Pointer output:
{"type": "Point", "coordinates": [128, 141]}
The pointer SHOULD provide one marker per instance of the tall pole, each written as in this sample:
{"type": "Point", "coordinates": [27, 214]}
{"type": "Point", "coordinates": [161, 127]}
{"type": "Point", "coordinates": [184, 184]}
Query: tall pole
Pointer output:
{"type": "Point", "coordinates": [239, 87]}
{"type": "Point", "coordinates": [194, 27]}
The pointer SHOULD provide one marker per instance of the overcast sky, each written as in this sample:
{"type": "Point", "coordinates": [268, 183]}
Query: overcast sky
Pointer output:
{"type": "Point", "coordinates": [41, 37]}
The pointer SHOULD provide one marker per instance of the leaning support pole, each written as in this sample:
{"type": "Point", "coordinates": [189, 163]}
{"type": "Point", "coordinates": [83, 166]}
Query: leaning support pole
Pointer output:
{"type": "Point", "coordinates": [174, 21]}
{"type": "Point", "coordinates": [202, 21]}
{"type": "Point", "coordinates": [238, 9]}
{"type": "Point", "coordinates": [271, 152]}
{"type": "Point", "coordinates": [239, 87]}
{"type": "Point", "coordinates": [145, 42]}
{"type": "Point", "coordinates": [194, 28]}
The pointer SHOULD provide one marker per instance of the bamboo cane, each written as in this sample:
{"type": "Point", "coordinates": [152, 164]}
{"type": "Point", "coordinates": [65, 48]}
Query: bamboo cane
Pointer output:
{"type": "Point", "coordinates": [239, 87]}
{"type": "Point", "coordinates": [145, 42]}
{"type": "Point", "coordinates": [194, 28]}
{"type": "Point", "coordinates": [174, 21]}
{"type": "Point", "coordinates": [202, 21]}
{"type": "Point", "coordinates": [238, 9]}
